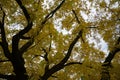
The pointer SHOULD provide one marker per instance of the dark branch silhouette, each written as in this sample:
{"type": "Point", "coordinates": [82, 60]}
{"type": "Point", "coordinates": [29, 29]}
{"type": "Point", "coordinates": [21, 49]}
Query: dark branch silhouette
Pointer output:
{"type": "Point", "coordinates": [4, 42]}
{"type": "Point", "coordinates": [8, 77]}
{"type": "Point", "coordinates": [50, 15]}
{"type": "Point", "coordinates": [62, 63]}
{"type": "Point", "coordinates": [76, 16]}
{"type": "Point", "coordinates": [107, 63]}
{"type": "Point", "coordinates": [16, 56]}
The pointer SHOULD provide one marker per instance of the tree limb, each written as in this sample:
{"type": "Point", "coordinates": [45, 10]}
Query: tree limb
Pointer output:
{"type": "Point", "coordinates": [27, 16]}
{"type": "Point", "coordinates": [26, 46]}
{"type": "Point", "coordinates": [20, 35]}
{"type": "Point", "coordinates": [76, 16]}
{"type": "Point", "coordinates": [8, 77]}
{"type": "Point", "coordinates": [46, 59]}
{"type": "Point", "coordinates": [61, 64]}
{"type": "Point", "coordinates": [71, 47]}
{"type": "Point", "coordinates": [107, 63]}
{"type": "Point", "coordinates": [112, 53]}
{"type": "Point", "coordinates": [4, 42]}
{"type": "Point", "coordinates": [47, 17]}
{"type": "Point", "coordinates": [46, 54]}
{"type": "Point", "coordinates": [50, 15]}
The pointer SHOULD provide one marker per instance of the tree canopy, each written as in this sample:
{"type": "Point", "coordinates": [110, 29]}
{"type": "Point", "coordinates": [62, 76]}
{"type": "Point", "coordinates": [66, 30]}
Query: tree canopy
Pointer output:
{"type": "Point", "coordinates": [59, 39]}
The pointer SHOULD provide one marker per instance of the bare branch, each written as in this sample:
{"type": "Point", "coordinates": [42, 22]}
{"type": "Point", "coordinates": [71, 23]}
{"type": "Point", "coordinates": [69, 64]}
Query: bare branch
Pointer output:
{"type": "Point", "coordinates": [8, 77]}
{"type": "Point", "coordinates": [71, 47]}
{"type": "Point", "coordinates": [50, 15]}
{"type": "Point", "coordinates": [46, 54]}
{"type": "Point", "coordinates": [61, 64]}
{"type": "Point", "coordinates": [47, 17]}
{"type": "Point", "coordinates": [27, 16]}
{"type": "Point", "coordinates": [24, 10]}
{"type": "Point", "coordinates": [4, 42]}
{"type": "Point", "coordinates": [26, 46]}
{"type": "Point", "coordinates": [76, 16]}
{"type": "Point", "coordinates": [112, 53]}
{"type": "Point", "coordinates": [107, 63]}
{"type": "Point", "coordinates": [20, 35]}
{"type": "Point", "coordinates": [46, 59]}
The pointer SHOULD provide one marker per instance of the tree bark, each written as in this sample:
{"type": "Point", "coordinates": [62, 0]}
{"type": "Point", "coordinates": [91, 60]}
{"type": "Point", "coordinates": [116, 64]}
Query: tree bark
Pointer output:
{"type": "Point", "coordinates": [62, 63]}
{"type": "Point", "coordinates": [105, 75]}
{"type": "Point", "coordinates": [19, 69]}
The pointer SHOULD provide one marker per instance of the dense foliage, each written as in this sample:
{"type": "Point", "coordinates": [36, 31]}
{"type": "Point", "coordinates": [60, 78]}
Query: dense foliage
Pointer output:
{"type": "Point", "coordinates": [59, 39]}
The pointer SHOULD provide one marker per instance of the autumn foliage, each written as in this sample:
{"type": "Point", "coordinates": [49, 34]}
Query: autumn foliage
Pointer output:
{"type": "Point", "coordinates": [59, 39]}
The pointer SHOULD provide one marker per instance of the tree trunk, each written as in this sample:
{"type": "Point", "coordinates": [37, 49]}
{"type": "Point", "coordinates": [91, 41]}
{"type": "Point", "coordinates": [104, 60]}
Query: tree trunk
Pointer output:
{"type": "Point", "coordinates": [105, 73]}
{"type": "Point", "coordinates": [18, 66]}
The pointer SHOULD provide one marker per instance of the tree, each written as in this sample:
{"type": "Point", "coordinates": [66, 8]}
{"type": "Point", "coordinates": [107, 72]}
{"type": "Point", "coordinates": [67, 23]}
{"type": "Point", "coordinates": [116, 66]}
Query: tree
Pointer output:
{"type": "Point", "coordinates": [46, 40]}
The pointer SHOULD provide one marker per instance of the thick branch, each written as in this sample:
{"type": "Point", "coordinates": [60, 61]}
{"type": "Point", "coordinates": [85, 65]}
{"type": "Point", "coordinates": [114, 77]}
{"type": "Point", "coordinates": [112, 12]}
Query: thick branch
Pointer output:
{"type": "Point", "coordinates": [8, 77]}
{"type": "Point", "coordinates": [4, 42]}
{"type": "Point", "coordinates": [107, 63]}
{"type": "Point", "coordinates": [113, 52]}
{"type": "Point", "coordinates": [26, 46]}
{"type": "Point", "coordinates": [24, 10]}
{"type": "Point", "coordinates": [20, 35]}
{"type": "Point", "coordinates": [27, 16]}
{"type": "Point", "coordinates": [50, 15]}
{"type": "Point", "coordinates": [61, 65]}
{"type": "Point", "coordinates": [71, 47]}
{"type": "Point", "coordinates": [111, 56]}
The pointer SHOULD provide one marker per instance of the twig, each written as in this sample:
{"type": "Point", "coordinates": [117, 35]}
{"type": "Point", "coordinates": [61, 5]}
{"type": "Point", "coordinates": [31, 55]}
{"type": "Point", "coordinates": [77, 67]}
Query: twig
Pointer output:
{"type": "Point", "coordinates": [76, 16]}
